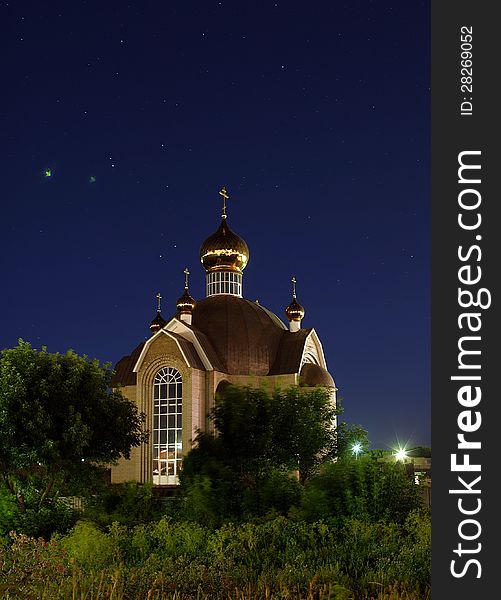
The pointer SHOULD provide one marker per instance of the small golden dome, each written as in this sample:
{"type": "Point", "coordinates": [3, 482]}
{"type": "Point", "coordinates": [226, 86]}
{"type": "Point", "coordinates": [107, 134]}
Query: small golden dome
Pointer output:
{"type": "Point", "coordinates": [294, 312]}
{"type": "Point", "coordinates": [186, 303]}
{"type": "Point", "coordinates": [158, 323]}
{"type": "Point", "coordinates": [224, 250]}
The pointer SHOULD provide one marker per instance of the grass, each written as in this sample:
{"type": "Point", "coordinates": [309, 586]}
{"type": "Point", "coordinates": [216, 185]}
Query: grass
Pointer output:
{"type": "Point", "coordinates": [276, 559]}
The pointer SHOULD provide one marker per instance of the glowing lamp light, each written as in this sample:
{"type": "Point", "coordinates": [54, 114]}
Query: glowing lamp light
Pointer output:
{"type": "Point", "coordinates": [401, 454]}
{"type": "Point", "coordinates": [356, 449]}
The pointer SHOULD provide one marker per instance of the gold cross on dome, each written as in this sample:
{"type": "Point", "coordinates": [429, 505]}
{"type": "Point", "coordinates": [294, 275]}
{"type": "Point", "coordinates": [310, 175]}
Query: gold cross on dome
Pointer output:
{"type": "Point", "coordinates": [159, 297]}
{"type": "Point", "coordinates": [186, 273]}
{"type": "Point", "coordinates": [293, 287]}
{"type": "Point", "coordinates": [224, 194]}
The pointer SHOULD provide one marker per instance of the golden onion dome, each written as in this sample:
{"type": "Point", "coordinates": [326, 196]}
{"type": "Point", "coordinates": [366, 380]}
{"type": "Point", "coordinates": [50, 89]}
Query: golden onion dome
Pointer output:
{"type": "Point", "coordinates": [158, 323]}
{"type": "Point", "coordinates": [294, 312]}
{"type": "Point", "coordinates": [224, 250]}
{"type": "Point", "coordinates": [186, 303]}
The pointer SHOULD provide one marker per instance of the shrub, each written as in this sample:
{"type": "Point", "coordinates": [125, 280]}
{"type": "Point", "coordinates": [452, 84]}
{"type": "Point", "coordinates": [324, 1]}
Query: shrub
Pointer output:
{"type": "Point", "coordinates": [364, 488]}
{"type": "Point", "coordinates": [128, 503]}
{"type": "Point", "coordinates": [55, 517]}
{"type": "Point", "coordinates": [89, 547]}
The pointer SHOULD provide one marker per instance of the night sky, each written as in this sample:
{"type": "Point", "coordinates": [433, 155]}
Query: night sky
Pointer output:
{"type": "Point", "coordinates": [121, 121]}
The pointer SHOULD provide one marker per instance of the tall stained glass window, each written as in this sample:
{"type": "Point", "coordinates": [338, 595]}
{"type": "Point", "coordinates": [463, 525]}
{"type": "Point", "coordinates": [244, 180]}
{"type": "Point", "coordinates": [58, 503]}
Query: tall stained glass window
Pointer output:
{"type": "Point", "coordinates": [167, 426]}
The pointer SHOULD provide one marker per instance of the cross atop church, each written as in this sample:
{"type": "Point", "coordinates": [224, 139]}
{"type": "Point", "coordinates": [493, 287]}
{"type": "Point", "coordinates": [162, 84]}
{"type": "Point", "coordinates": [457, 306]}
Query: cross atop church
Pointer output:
{"type": "Point", "coordinates": [159, 297]}
{"type": "Point", "coordinates": [224, 194]}
{"type": "Point", "coordinates": [186, 273]}
{"type": "Point", "coordinates": [293, 287]}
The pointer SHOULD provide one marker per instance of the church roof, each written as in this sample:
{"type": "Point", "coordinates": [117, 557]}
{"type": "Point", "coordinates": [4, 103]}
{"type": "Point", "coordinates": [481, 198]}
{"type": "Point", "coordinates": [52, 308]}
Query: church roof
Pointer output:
{"type": "Point", "coordinates": [189, 351]}
{"type": "Point", "coordinates": [290, 352]}
{"type": "Point", "coordinates": [244, 335]}
{"type": "Point", "coordinates": [238, 337]}
{"type": "Point", "coordinates": [124, 370]}
{"type": "Point", "coordinates": [123, 373]}
{"type": "Point", "coordinates": [207, 347]}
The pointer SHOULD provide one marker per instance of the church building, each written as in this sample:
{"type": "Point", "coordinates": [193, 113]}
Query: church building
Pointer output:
{"type": "Point", "coordinates": [223, 339]}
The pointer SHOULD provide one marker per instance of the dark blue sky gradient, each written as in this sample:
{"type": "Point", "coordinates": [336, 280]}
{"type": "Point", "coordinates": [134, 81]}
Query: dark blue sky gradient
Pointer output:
{"type": "Point", "coordinates": [316, 118]}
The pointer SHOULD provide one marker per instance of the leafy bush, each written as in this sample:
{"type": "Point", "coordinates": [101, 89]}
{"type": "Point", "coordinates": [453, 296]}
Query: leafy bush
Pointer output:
{"type": "Point", "coordinates": [364, 489]}
{"type": "Point", "coordinates": [89, 547]}
{"type": "Point", "coordinates": [55, 516]}
{"type": "Point", "coordinates": [128, 503]}
{"type": "Point", "coordinates": [278, 492]}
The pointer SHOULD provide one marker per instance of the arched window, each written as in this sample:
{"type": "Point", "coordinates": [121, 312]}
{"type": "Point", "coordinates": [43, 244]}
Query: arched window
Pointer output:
{"type": "Point", "coordinates": [167, 426]}
{"type": "Point", "coordinates": [221, 389]}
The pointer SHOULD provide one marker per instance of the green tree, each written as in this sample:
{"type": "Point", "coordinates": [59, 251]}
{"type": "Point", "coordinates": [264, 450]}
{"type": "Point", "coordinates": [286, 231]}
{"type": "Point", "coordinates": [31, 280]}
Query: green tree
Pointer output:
{"type": "Point", "coordinates": [60, 423]}
{"type": "Point", "coordinates": [261, 440]}
{"type": "Point", "coordinates": [349, 435]}
{"type": "Point", "coordinates": [304, 434]}
{"type": "Point", "coordinates": [424, 451]}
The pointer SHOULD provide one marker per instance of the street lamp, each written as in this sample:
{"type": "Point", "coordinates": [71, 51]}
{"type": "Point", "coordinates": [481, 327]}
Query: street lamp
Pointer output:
{"type": "Point", "coordinates": [356, 449]}
{"type": "Point", "coordinates": [401, 454]}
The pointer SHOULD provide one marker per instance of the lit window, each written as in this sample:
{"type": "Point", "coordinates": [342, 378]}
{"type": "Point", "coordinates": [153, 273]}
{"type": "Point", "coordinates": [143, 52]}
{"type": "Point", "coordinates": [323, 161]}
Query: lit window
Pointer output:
{"type": "Point", "coordinates": [167, 426]}
{"type": "Point", "coordinates": [223, 282]}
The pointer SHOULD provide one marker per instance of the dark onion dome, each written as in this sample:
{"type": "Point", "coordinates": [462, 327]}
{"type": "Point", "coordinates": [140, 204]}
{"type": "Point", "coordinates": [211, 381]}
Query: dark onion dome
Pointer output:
{"type": "Point", "coordinates": [312, 375]}
{"type": "Point", "coordinates": [294, 312]}
{"type": "Point", "coordinates": [245, 335]}
{"type": "Point", "coordinates": [186, 303]}
{"type": "Point", "coordinates": [224, 251]}
{"type": "Point", "coordinates": [158, 323]}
